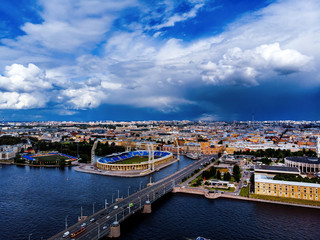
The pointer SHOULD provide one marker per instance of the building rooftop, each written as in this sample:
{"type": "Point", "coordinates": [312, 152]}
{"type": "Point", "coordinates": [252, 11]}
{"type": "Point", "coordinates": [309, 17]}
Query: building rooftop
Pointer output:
{"type": "Point", "coordinates": [310, 160]}
{"type": "Point", "coordinates": [264, 179]}
{"type": "Point", "coordinates": [276, 169]}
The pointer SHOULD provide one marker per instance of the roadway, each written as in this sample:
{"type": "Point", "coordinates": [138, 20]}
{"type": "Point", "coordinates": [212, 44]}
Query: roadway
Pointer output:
{"type": "Point", "coordinates": [119, 211]}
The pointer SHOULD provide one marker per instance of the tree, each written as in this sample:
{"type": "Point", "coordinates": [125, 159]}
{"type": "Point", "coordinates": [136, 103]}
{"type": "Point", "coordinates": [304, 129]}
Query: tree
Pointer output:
{"type": "Point", "coordinates": [62, 163]}
{"type": "Point", "coordinates": [236, 173]}
{"type": "Point", "coordinates": [252, 179]}
{"type": "Point", "coordinates": [218, 175]}
{"type": "Point", "coordinates": [227, 176]}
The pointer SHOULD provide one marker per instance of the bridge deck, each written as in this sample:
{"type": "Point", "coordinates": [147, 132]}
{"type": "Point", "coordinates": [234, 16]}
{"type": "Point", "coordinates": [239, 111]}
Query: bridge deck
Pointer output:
{"type": "Point", "coordinates": [118, 212]}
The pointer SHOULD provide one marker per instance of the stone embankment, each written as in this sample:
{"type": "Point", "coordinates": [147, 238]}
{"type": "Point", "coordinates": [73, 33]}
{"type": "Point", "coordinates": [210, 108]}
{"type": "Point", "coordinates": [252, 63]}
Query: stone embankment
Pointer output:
{"type": "Point", "coordinates": [197, 191]}
{"type": "Point", "coordinates": [207, 194]}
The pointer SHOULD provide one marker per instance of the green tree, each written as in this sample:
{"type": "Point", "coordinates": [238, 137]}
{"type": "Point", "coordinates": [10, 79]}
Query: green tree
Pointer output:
{"type": "Point", "coordinates": [236, 173]}
{"type": "Point", "coordinates": [218, 175]}
{"type": "Point", "coordinates": [227, 176]}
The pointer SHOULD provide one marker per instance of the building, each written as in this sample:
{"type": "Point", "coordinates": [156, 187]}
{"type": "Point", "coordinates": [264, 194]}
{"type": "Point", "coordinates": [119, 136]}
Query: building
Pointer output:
{"type": "Point", "coordinates": [318, 147]}
{"type": "Point", "coordinates": [271, 171]}
{"type": "Point", "coordinates": [265, 185]}
{"type": "Point", "coordinates": [305, 164]}
{"type": "Point", "coordinates": [298, 190]}
{"type": "Point", "coordinates": [7, 154]}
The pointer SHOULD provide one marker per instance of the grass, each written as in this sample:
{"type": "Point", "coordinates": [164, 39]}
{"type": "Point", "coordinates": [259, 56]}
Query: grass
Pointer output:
{"type": "Point", "coordinates": [287, 200]}
{"type": "Point", "coordinates": [194, 181]}
{"type": "Point", "coordinates": [244, 192]}
{"type": "Point", "coordinates": [50, 158]}
{"type": "Point", "coordinates": [230, 189]}
{"type": "Point", "coordinates": [133, 160]}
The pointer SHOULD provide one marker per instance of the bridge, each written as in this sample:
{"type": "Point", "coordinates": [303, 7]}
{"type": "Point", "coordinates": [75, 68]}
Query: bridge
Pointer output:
{"type": "Point", "coordinates": [106, 222]}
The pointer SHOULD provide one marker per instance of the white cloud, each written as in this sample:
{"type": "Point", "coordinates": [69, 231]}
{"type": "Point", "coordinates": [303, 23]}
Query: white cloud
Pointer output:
{"type": "Point", "coordinates": [243, 67]}
{"type": "Point", "coordinates": [133, 68]}
{"type": "Point", "coordinates": [26, 79]}
{"type": "Point", "coordinates": [83, 98]}
{"type": "Point", "coordinates": [15, 100]}
{"type": "Point", "coordinates": [172, 20]}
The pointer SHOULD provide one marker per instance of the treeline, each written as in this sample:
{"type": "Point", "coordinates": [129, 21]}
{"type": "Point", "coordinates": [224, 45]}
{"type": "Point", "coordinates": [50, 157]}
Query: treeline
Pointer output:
{"type": "Point", "coordinates": [9, 140]}
{"type": "Point", "coordinates": [106, 149]}
{"type": "Point", "coordinates": [292, 178]}
{"type": "Point", "coordinates": [213, 172]}
{"type": "Point", "coordinates": [272, 153]}
{"type": "Point", "coordinates": [72, 148]}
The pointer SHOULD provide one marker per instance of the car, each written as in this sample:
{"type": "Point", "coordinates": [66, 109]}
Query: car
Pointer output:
{"type": "Point", "coordinates": [115, 207]}
{"type": "Point", "coordinates": [66, 234]}
{"type": "Point", "coordinates": [104, 227]}
{"type": "Point", "coordinates": [92, 220]}
{"type": "Point", "coordinates": [107, 217]}
{"type": "Point", "coordinates": [102, 214]}
{"type": "Point", "coordinates": [83, 225]}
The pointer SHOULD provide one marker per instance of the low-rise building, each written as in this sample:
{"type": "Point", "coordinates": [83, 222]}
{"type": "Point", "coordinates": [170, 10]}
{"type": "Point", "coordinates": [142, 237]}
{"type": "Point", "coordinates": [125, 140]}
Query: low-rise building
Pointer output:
{"type": "Point", "coordinates": [264, 184]}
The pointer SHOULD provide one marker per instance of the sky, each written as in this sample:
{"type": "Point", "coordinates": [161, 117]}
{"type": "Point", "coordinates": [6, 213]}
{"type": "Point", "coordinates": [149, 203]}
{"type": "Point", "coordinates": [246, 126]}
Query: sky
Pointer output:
{"type": "Point", "coordinates": [219, 60]}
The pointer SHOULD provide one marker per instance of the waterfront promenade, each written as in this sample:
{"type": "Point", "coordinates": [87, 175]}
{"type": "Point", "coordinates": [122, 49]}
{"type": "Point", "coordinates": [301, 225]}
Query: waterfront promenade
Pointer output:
{"type": "Point", "coordinates": [231, 195]}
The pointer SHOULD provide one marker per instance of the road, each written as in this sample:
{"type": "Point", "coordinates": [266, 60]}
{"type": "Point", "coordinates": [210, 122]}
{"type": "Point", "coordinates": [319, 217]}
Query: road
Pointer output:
{"type": "Point", "coordinates": [118, 212]}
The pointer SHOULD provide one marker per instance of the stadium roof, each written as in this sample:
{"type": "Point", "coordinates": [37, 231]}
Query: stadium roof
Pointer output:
{"type": "Point", "coordinates": [310, 160]}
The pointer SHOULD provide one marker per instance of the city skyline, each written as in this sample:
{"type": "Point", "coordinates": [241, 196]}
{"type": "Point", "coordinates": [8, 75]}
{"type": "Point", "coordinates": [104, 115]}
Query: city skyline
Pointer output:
{"type": "Point", "coordinates": [167, 60]}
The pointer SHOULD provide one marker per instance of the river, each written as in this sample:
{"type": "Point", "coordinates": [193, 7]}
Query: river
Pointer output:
{"type": "Point", "coordinates": [37, 201]}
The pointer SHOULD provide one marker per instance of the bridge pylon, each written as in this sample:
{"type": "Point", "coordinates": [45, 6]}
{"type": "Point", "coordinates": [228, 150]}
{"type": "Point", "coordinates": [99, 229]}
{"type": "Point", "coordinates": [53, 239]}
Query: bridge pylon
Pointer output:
{"type": "Point", "coordinates": [93, 151]}
{"type": "Point", "coordinates": [114, 230]}
{"type": "Point", "coordinates": [147, 207]}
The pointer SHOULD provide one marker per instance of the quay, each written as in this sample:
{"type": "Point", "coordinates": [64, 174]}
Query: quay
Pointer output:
{"type": "Point", "coordinates": [207, 194]}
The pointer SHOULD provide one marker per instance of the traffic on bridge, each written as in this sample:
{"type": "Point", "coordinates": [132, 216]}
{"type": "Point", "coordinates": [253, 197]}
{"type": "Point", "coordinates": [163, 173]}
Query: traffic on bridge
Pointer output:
{"type": "Point", "coordinates": [106, 222]}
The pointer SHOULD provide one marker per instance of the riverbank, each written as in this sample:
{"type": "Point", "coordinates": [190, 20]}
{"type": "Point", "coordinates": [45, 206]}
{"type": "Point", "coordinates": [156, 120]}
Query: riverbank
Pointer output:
{"type": "Point", "coordinates": [207, 194]}
{"type": "Point", "coordinates": [88, 168]}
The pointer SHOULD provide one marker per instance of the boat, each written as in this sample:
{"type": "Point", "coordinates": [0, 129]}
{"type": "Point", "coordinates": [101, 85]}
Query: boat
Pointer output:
{"type": "Point", "coordinates": [193, 156]}
{"type": "Point", "coordinates": [76, 233]}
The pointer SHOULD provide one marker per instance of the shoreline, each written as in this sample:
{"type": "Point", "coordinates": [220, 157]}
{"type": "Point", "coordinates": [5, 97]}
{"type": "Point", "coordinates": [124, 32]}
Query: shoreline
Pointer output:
{"type": "Point", "coordinates": [206, 194]}
{"type": "Point", "coordinates": [31, 165]}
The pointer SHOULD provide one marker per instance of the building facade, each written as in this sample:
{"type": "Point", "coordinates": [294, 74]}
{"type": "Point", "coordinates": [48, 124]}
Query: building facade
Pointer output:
{"type": "Point", "coordinates": [304, 164]}
{"type": "Point", "coordinates": [298, 190]}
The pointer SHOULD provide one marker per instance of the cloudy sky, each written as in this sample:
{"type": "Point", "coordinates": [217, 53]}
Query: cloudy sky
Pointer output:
{"type": "Point", "coordinates": [153, 59]}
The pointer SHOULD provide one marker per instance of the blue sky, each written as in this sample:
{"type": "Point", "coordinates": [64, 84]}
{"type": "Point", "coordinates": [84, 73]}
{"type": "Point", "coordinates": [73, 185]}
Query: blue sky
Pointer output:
{"type": "Point", "coordinates": [141, 60]}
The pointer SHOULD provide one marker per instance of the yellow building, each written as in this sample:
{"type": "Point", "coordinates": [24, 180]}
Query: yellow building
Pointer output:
{"type": "Point", "coordinates": [300, 190]}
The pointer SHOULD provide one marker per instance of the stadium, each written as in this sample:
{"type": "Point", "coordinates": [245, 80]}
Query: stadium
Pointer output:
{"type": "Point", "coordinates": [305, 164]}
{"type": "Point", "coordinates": [48, 158]}
{"type": "Point", "coordinates": [134, 161]}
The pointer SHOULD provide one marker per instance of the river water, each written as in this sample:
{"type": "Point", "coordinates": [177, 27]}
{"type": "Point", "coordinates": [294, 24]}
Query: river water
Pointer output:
{"type": "Point", "coordinates": [37, 201]}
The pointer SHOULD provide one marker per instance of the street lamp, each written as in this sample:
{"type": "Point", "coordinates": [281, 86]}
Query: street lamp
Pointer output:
{"type": "Point", "coordinates": [98, 230]}
{"type": "Point", "coordinates": [67, 221]}
{"type": "Point", "coordinates": [118, 193]}
{"type": "Point", "coordinates": [105, 203]}
{"type": "Point", "coordinates": [140, 201]}
{"type": "Point", "coordinates": [30, 236]}
{"type": "Point", "coordinates": [112, 197]}
{"type": "Point", "coordinates": [93, 208]}
{"type": "Point", "coordinates": [140, 185]}
{"type": "Point", "coordinates": [128, 191]}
